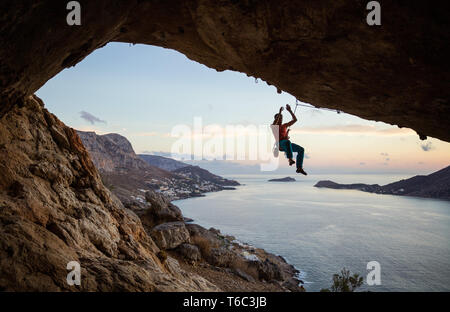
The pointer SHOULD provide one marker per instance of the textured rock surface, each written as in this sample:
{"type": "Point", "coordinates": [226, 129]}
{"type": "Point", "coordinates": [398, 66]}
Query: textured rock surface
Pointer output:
{"type": "Point", "coordinates": [161, 210]}
{"type": "Point", "coordinates": [189, 252]}
{"type": "Point", "coordinates": [321, 51]}
{"type": "Point", "coordinates": [210, 237]}
{"type": "Point", "coordinates": [112, 151]}
{"type": "Point", "coordinates": [225, 254]}
{"type": "Point", "coordinates": [170, 235]}
{"type": "Point", "coordinates": [55, 209]}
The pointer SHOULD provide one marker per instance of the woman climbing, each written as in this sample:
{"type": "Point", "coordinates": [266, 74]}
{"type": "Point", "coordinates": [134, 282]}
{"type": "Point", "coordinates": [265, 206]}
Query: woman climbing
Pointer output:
{"type": "Point", "coordinates": [285, 145]}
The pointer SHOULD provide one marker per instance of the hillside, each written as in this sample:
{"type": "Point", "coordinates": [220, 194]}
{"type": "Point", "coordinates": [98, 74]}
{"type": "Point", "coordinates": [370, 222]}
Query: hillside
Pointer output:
{"type": "Point", "coordinates": [112, 152]}
{"type": "Point", "coordinates": [129, 176]}
{"type": "Point", "coordinates": [199, 175]}
{"type": "Point", "coordinates": [435, 185]}
{"type": "Point", "coordinates": [161, 162]}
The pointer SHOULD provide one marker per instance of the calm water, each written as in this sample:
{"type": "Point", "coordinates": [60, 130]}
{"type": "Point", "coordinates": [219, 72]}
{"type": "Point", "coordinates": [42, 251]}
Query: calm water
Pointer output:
{"type": "Point", "coordinates": [321, 231]}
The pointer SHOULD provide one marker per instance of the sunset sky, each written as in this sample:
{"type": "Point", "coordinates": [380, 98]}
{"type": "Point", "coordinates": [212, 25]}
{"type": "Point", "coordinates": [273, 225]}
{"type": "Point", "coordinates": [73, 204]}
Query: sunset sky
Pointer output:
{"type": "Point", "coordinates": [143, 92]}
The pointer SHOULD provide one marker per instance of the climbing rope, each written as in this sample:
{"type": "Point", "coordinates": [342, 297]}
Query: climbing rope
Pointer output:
{"type": "Point", "coordinates": [296, 104]}
{"type": "Point", "coordinates": [313, 107]}
{"type": "Point", "coordinates": [295, 110]}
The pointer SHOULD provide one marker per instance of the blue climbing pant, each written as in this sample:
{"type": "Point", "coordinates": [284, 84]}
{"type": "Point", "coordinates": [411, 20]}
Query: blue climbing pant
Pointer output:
{"type": "Point", "coordinates": [290, 148]}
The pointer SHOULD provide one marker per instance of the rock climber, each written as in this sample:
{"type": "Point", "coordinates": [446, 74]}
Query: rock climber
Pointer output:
{"type": "Point", "coordinates": [285, 145]}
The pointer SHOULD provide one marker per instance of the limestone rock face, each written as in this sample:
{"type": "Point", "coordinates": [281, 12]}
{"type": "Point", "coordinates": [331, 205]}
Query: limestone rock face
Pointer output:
{"type": "Point", "coordinates": [110, 151]}
{"type": "Point", "coordinates": [54, 209]}
{"type": "Point", "coordinates": [322, 52]}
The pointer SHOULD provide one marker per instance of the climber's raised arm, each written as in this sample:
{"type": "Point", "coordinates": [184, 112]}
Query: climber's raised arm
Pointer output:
{"type": "Point", "coordinates": [278, 118]}
{"type": "Point", "coordinates": [294, 118]}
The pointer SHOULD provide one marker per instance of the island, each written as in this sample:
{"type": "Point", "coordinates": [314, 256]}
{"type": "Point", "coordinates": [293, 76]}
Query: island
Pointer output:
{"type": "Point", "coordinates": [286, 179]}
{"type": "Point", "coordinates": [435, 185]}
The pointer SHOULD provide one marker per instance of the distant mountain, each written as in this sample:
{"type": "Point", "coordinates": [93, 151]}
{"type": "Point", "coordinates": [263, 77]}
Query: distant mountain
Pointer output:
{"type": "Point", "coordinates": [198, 174]}
{"type": "Point", "coordinates": [129, 177]}
{"type": "Point", "coordinates": [165, 163]}
{"type": "Point", "coordinates": [112, 152]}
{"type": "Point", "coordinates": [192, 172]}
{"type": "Point", "coordinates": [435, 185]}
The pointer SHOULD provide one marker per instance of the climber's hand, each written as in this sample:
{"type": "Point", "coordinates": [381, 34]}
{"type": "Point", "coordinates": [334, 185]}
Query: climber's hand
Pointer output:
{"type": "Point", "coordinates": [288, 107]}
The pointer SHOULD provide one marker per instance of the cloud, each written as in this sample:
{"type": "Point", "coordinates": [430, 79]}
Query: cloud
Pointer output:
{"type": "Point", "coordinates": [362, 163]}
{"type": "Point", "coordinates": [427, 146]}
{"type": "Point", "coordinates": [384, 154]}
{"type": "Point", "coordinates": [355, 129]}
{"type": "Point", "coordinates": [91, 118]}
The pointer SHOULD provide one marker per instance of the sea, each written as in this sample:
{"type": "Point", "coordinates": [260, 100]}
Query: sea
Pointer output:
{"type": "Point", "coordinates": [321, 231]}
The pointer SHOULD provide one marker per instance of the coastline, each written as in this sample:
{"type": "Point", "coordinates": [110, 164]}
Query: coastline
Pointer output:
{"type": "Point", "coordinates": [301, 222]}
{"type": "Point", "coordinates": [435, 185]}
{"type": "Point", "coordinates": [296, 273]}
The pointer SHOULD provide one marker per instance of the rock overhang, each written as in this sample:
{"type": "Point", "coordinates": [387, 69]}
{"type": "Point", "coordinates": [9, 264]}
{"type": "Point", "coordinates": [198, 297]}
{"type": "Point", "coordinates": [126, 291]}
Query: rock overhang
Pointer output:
{"type": "Point", "coordinates": [321, 52]}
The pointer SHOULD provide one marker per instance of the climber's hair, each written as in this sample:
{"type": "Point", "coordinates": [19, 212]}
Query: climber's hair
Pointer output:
{"type": "Point", "coordinates": [275, 117]}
